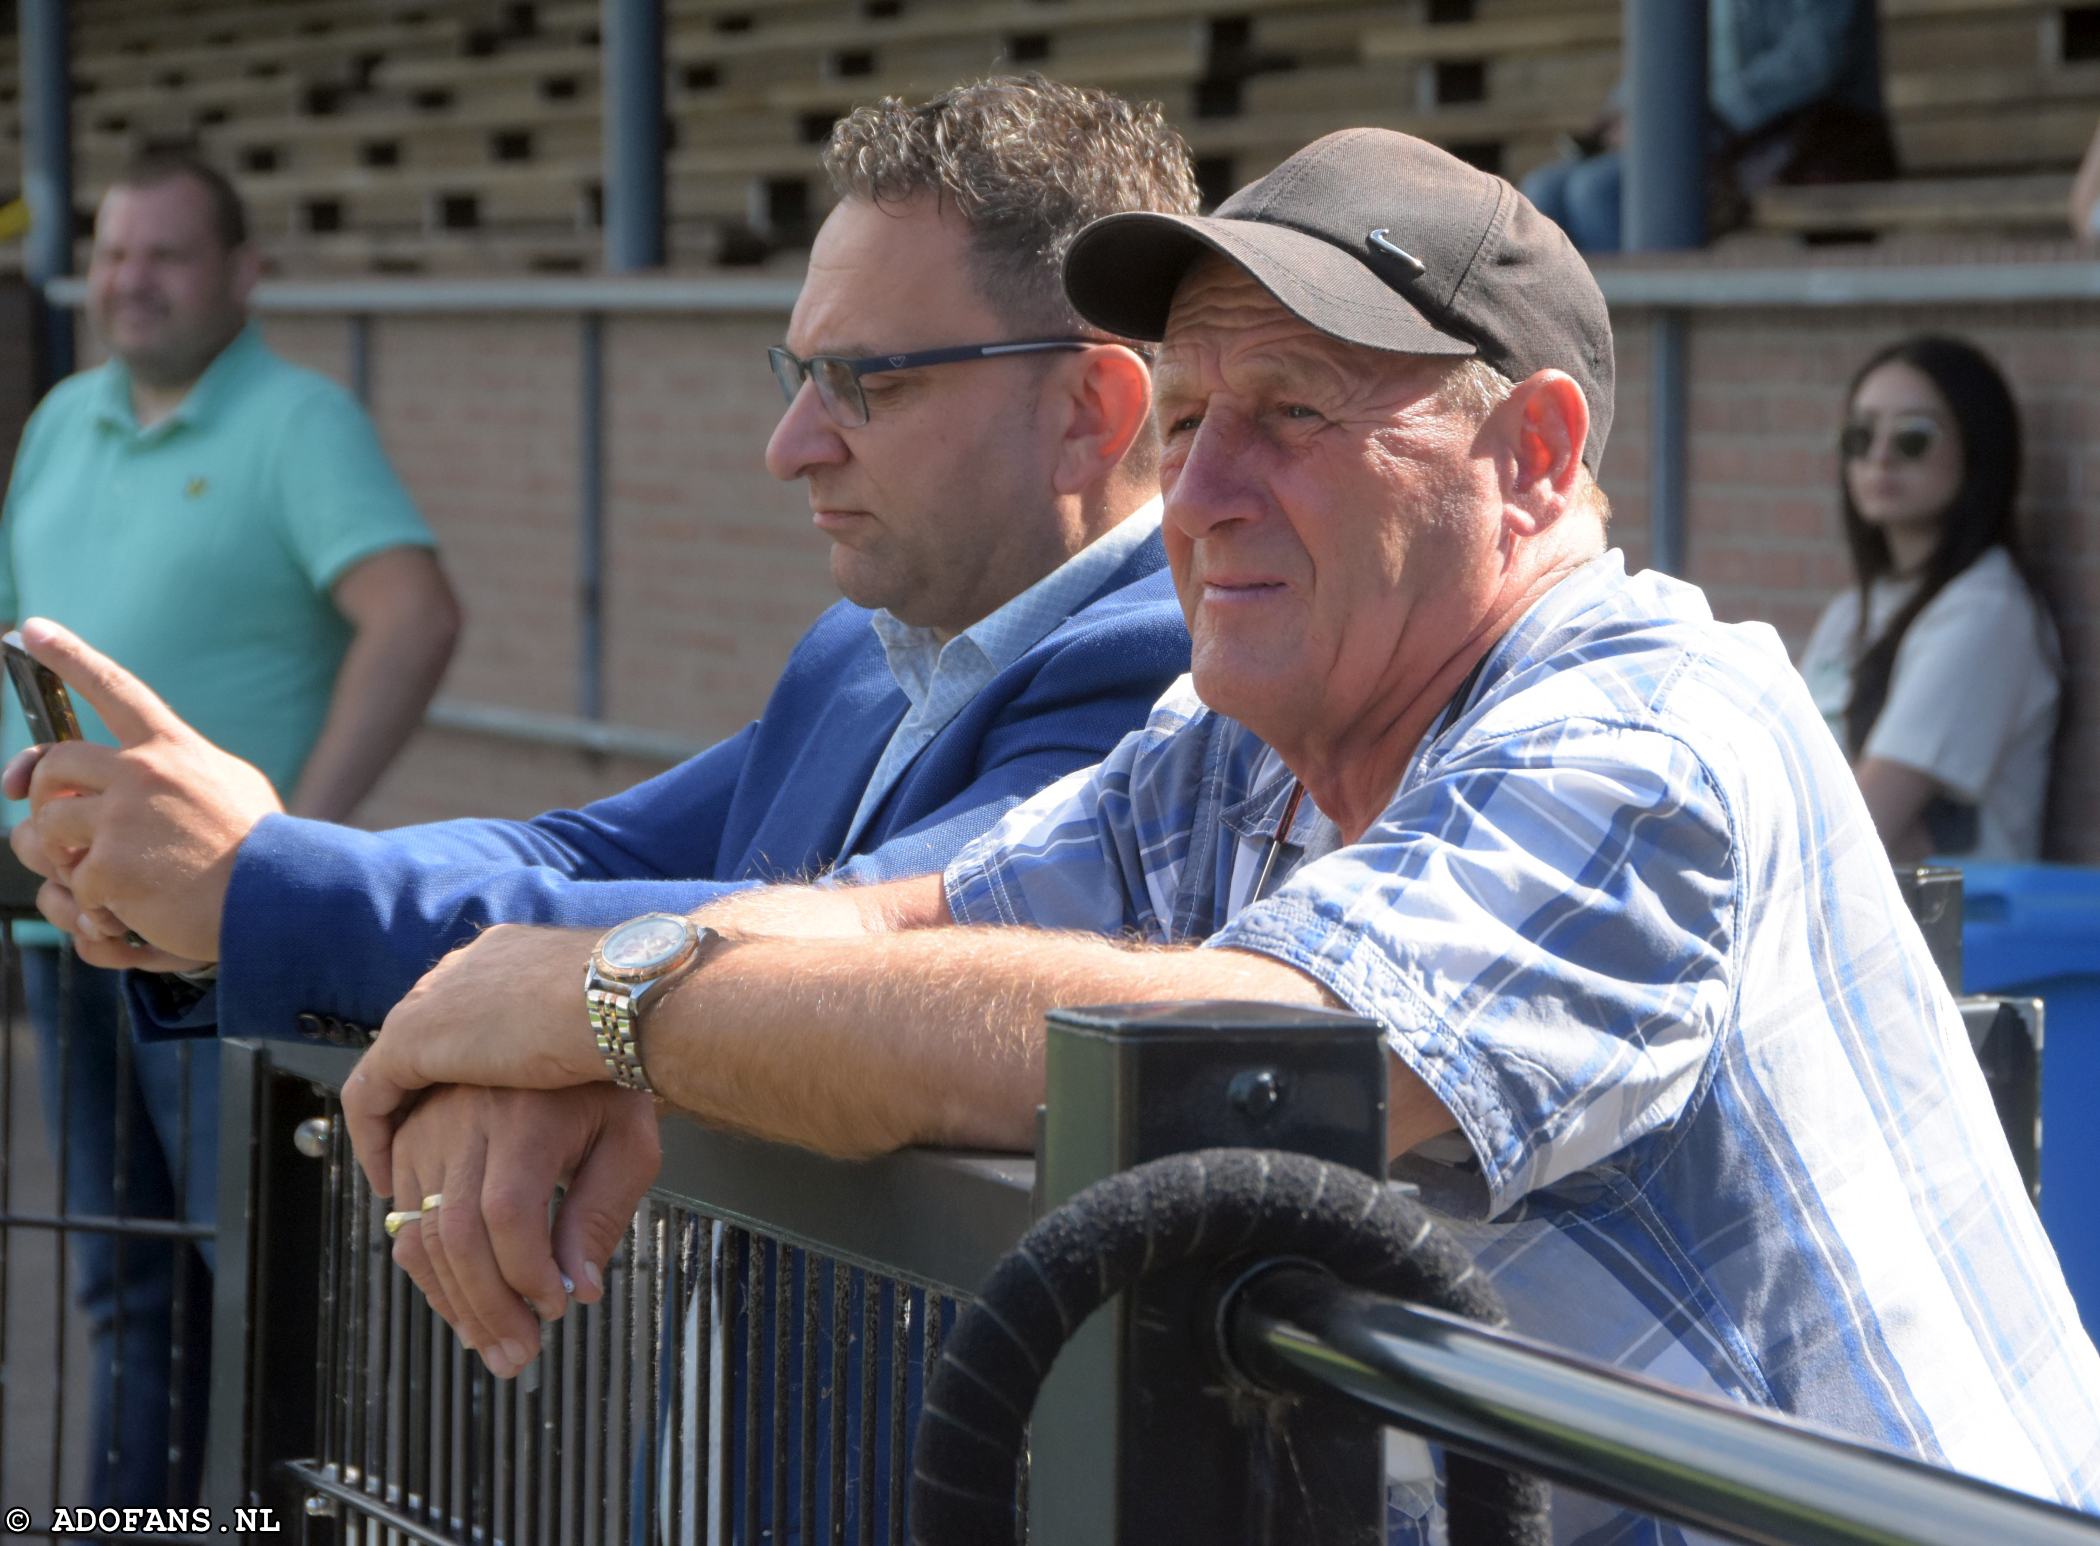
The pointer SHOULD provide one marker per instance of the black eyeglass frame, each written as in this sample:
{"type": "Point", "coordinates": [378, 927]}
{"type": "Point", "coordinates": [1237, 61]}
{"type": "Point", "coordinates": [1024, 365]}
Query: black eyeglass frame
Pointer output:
{"type": "Point", "coordinates": [790, 370]}
{"type": "Point", "coordinates": [1907, 442]}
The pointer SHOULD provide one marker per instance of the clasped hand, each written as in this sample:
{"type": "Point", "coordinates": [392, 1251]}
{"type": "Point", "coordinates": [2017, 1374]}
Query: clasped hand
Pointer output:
{"type": "Point", "coordinates": [136, 837]}
{"type": "Point", "coordinates": [484, 1089]}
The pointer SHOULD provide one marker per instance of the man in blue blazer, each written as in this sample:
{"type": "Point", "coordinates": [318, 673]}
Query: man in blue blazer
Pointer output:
{"type": "Point", "coordinates": [989, 483]}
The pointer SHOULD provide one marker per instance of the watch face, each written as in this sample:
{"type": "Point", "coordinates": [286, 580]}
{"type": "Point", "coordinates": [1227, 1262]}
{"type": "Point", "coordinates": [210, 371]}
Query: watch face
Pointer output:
{"type": "Point", "coordinates": [646, 943]}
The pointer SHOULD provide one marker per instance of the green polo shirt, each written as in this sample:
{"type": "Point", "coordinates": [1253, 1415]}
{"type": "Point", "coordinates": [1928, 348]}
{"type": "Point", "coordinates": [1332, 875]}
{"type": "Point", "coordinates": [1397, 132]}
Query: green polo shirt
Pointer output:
{"type": "Point", "coordinates": [199, 553]}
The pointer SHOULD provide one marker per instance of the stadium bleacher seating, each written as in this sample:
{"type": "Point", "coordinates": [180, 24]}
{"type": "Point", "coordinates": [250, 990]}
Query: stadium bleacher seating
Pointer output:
{"type": "Point", "coordinates": [432, 134]}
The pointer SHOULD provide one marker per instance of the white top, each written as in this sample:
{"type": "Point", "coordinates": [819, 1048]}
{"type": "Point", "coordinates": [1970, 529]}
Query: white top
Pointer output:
{"type": "Point", "coordinates": [1972, 701]}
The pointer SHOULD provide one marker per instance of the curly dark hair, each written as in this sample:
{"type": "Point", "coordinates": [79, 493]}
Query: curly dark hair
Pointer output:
{"type": "Point", "coordinates": [1979, 517]}
{"type": "Point", "coordinates": [1029, 163]}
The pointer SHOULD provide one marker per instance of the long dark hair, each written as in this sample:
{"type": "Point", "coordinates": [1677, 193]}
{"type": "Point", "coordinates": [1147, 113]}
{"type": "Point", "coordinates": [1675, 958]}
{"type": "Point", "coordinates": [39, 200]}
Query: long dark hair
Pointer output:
{"type": "Point", "coordinates": [1978, 518]}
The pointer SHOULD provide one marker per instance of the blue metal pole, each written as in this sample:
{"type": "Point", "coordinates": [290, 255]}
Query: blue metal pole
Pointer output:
{"type": "Point", "coordinates": [47, 174]}
{"type": "Point", "coordinates": [633, 32]}
{"type": "Point", "coordinates": [1665, 188]}
{"type": "Point", "coordinates": [590, 520]}
{"type": "Point", "coordinates": [1665, 209]}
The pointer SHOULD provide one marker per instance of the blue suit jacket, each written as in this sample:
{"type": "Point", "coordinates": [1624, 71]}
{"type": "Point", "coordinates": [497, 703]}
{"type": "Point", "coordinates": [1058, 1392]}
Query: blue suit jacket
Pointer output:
{"type": "Point", "coordinates": [327, 927]}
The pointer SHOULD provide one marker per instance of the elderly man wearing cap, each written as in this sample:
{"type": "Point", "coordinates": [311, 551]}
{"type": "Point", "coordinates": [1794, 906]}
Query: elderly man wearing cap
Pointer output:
{"type": "Point", "coordinates": [1665, 1046]}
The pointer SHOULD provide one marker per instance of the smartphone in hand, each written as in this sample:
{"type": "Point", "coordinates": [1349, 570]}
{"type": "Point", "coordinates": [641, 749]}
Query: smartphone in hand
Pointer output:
{"type": "Point", "coordinates": [45, 702]}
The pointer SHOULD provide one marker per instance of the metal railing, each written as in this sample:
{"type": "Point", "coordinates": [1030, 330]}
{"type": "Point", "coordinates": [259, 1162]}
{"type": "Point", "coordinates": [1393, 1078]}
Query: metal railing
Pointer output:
{"type": "Point", "coordinates": [49, 1342]}
{"type": "Point", "coordinates": [750, 1374]}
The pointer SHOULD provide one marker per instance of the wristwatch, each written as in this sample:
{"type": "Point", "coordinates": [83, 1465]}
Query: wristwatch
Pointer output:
{"type": "Point", "coordinates": [631, 967]}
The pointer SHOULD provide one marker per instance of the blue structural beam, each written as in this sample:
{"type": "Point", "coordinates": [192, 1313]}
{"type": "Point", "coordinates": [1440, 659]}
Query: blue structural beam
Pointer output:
{"type": "Point", "coordinates": [1665, 190]}
{"type": "Point", "coordinates": [633, 33]}
{"type": "Point", "coordinates": [47, 173]}
{"type": "Point", "coordinates": [1665, 209]}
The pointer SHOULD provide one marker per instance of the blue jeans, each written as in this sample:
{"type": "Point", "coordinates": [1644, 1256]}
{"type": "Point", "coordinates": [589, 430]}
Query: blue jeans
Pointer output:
{"type": "Point", "coordinates": [125, 1285]}
{"type": "Point", "coordinates": [1582, 196]}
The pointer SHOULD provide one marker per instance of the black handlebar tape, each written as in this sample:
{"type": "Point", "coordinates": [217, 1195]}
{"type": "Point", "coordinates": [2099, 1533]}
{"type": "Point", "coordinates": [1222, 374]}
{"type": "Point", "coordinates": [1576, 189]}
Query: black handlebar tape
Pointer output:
{"type": "Point", "coordinates": [1211, 1206]}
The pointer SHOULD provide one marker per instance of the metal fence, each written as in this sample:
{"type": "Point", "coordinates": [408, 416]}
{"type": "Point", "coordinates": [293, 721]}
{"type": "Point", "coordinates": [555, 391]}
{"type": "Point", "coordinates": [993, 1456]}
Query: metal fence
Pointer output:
{"type": "Point", "coordinates": [73, 1224]}
{"type": "Point", "coordinates": [750, 1374]}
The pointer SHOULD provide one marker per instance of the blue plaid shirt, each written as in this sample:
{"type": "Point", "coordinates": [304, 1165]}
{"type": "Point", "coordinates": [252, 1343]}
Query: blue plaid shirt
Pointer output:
{"type": "Point", "coordinates": [1718, 1118]}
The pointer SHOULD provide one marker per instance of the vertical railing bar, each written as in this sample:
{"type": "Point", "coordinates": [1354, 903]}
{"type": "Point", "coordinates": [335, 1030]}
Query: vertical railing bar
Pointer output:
{"type": "Point", "coordinates": [356, 1456]}
{"type": "Point", "coordinates": [487, 1392]}
{"type": "Point", "coordinates": [62, 1245]}
{"type": "Point", "coordinates": [126, 1097]}
{"type": "Point", "coordinates": [400, 1320]}
{"type": "Point", "coordinates": [502, 1431]}
{"type": "Point", "coordinates": [11, 960]}
{"type": "Point", "coordinates": [806, 1408]}
{"type": "Point", "coordinates": [753, 1305]}
{"type": "Point", "coordinates": [835, 1479]}
{"type": "Point", "coordinates": [653, 1345]}
{"type": "Point", "coordinates": [181, 1252]}
{"type": "Point", "coordinates": [781, 1315]}
{"type": "Point", "coordinates": [429, 1335]}
{"type": "Point", "coordinates": [459, 1434]}
{"type": "Point", "coordinates": [935, 1334]}
{"type": "Point", "coordinates": [530, 1404]}
{"type": "Point", "coordinates": [386, 1304]}
{"type": "Point", "coordinates": [900, 1297]}
{"type": "Point", "coordinates": [550, 1445]}
{"type": "Point", "coordinates": [342, 1197]}
{"type": "Point", "coordinates": [638, 1269]}
{"type": "Point", "coordinates": [865, 1365]}
{"type": "Point", "coordinates": [601, 1435]}
{"type": "Point", "coordinates": [707, 1501]}
{"type": "Point", "coordinates": [671, 1453]}
{"type": "Point", "coordinates": [331, 1263]}
{"type": "Point", "coordinates": [576, 1350]}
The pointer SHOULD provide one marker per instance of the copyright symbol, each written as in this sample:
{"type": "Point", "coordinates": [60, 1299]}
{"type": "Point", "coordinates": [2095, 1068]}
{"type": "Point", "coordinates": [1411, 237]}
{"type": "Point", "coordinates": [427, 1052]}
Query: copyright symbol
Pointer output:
{"type": "Point", "coordinates": [18, 1521]}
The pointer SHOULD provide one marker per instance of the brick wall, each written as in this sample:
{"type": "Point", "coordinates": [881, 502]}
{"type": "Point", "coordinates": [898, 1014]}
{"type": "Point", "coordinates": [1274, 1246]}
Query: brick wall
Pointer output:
{"type": "Point", "coordinates": [713, 569]}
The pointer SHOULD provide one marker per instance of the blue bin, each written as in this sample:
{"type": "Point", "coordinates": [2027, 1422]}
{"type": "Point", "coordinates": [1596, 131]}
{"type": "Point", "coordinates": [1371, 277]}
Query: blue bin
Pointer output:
{"type": "Point", "coordinates": [2033, 931]}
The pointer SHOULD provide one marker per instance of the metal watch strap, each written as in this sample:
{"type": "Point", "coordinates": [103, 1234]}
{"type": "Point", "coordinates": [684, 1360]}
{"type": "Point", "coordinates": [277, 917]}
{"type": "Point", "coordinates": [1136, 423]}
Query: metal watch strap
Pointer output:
{"type": "Point", "coordinates": [612, 1028]}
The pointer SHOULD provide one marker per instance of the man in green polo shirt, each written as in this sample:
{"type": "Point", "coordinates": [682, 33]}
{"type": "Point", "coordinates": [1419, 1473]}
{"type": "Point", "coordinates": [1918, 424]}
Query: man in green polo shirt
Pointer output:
{"type": "Point", "coordinates": [226, 525]}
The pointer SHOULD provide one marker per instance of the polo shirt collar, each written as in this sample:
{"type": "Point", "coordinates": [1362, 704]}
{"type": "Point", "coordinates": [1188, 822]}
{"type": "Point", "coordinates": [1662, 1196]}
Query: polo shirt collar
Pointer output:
{"type": "Point", "coordinates": [206, 396]}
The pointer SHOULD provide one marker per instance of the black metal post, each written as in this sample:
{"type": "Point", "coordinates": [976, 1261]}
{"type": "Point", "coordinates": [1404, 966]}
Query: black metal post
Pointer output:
{"type": "Point", "coordinates": [47, 176]}
{"type": "Point", "coordinates": [1933, 895]}
{"type": "Point", "coordinates": [266, 1289]}
{"type": "Point", "coordinates": [1132, 1406]}
{"type": "Point", "coordinates": [633, 32]}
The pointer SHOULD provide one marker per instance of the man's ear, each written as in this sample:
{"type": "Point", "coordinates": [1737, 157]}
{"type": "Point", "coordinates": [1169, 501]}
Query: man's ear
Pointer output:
{"type": "Point", "coordinates": [1546, 423]}
{"type": "Point", "coordinates": [1109, 403]}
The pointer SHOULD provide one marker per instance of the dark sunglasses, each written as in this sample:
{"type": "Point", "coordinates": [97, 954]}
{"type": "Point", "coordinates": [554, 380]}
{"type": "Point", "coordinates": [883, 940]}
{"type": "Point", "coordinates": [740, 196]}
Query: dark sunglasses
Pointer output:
{"type": "Point", "coordinates": [837, 378]}
{"type": "Point", "coordinates": [1907, 442]}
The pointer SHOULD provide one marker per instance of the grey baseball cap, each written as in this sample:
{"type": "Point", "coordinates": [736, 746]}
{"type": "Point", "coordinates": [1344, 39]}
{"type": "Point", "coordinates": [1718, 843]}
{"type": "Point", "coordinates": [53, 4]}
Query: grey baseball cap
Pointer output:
{"type": "Point", "coordinates": [1380, 239]}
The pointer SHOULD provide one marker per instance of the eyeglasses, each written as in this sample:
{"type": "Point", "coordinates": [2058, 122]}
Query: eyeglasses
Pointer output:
{"type": "Point", "coordinates": [1911, 442]}
{"type": "Point", "coordinates": [838, 379]}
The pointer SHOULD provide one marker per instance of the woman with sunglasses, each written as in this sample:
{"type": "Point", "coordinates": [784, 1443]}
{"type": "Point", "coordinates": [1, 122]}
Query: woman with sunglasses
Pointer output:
{"type": "Point", "coordinates": [1940, 672]}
